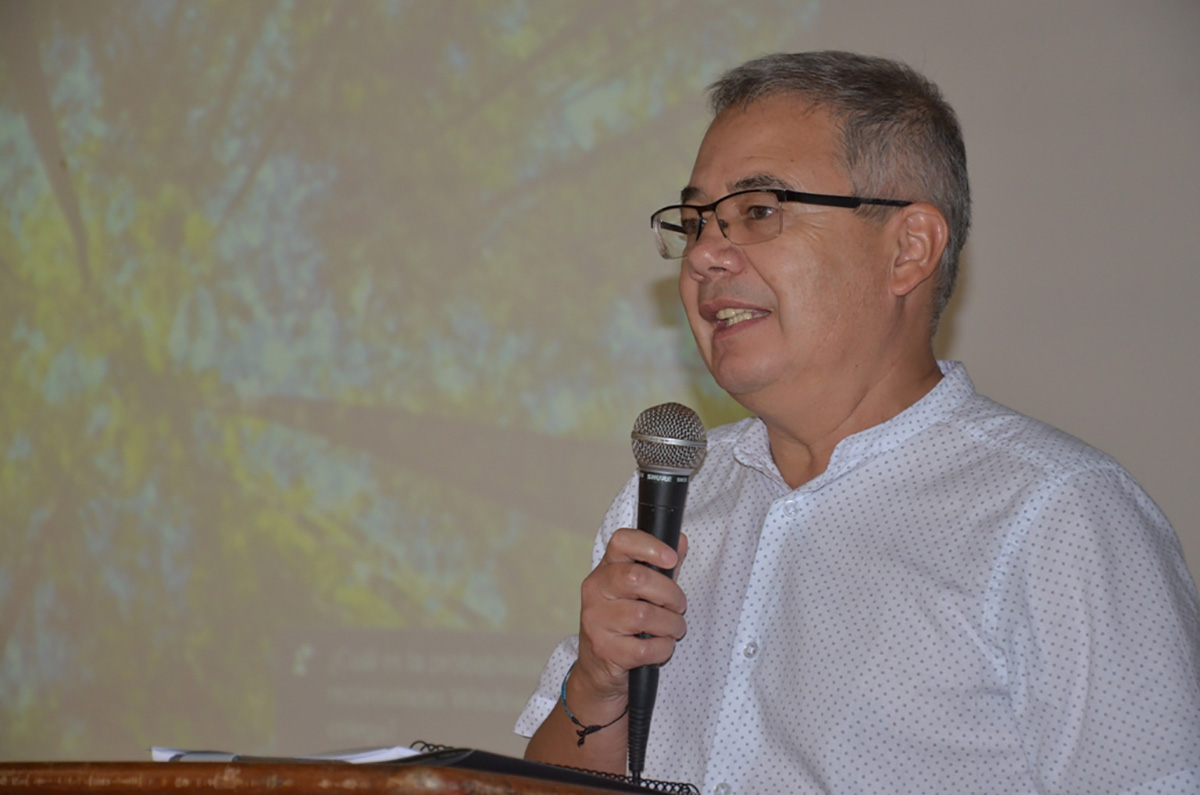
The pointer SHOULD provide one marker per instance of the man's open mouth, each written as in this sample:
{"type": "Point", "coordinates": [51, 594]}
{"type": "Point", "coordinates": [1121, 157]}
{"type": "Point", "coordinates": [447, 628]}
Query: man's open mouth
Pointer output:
{"type": "Point", "coordinates": [731, 316]}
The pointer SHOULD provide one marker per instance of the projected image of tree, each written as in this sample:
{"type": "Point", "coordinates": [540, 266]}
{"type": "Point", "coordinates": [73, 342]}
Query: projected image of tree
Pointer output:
{"type": "Point", "coordinates": [320, 314]}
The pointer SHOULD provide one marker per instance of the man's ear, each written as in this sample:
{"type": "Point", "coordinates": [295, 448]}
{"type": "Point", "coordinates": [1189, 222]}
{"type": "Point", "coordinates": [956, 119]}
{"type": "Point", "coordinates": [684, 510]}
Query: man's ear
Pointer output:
{"type": "Point", "coordinates": [921, 236]}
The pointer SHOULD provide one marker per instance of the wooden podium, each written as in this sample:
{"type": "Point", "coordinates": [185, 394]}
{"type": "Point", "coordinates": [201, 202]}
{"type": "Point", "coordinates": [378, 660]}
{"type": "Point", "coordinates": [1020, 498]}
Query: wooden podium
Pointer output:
{"type": "Point", "coordinates": [138, 778]}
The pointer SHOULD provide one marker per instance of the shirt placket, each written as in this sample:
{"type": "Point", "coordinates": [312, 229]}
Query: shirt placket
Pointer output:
{"type": "Point", "coordinates": [733, 739]}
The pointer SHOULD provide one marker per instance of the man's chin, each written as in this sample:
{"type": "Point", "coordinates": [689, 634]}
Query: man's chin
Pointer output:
{"type": "Point", "coordinates": [741, 385]}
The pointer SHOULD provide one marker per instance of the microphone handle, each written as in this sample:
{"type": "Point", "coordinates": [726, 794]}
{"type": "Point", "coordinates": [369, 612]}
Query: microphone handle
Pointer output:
{"type": "Point", "coordinates": [661, 498]}
{"type": "Point", "coordinates": [643, 690]}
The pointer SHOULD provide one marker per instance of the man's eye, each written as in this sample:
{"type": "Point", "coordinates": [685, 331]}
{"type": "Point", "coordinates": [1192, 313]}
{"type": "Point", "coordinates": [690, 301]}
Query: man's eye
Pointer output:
{"type": "Point", "coordinates": [690, 226]}
{"type": "Point", "coordinates": [759, 212]}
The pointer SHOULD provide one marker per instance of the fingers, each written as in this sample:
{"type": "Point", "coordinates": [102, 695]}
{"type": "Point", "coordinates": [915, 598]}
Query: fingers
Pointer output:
{"type": "Point", "coordinates": [631, 614]}
{"type": "Point", "coordinates": [635, 545]}
{"type": "Point", "coordinates": [636, 600]}
{"type": "Point", "coordinates": [621, 574]}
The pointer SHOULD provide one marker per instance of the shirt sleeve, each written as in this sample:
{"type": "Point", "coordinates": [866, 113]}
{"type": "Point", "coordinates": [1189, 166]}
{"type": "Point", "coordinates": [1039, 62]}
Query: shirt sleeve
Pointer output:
{"type": "Point", "coordinates": [1100, 627]}
{"type": "Point", "coordinates": [620, 514]}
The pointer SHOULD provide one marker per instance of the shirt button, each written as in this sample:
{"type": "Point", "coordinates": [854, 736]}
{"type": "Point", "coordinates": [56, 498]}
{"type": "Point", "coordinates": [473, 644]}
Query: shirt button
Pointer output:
{"type": "Point", "coordinates": [790, 508]}
{"type": "Point", "coordinates": [722, 789]}
{"type": "Point", "coordinates": [750, 650]}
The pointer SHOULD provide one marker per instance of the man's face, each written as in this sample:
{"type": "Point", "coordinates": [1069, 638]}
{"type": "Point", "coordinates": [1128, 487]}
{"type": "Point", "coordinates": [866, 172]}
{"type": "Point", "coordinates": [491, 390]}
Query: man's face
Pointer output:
{"type": "Point", "coordinates": [818, 298]}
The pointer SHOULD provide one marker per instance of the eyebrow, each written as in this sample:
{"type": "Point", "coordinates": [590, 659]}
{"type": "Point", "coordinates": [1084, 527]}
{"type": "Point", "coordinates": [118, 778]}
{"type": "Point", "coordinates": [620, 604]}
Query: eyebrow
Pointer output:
{"type": "Point", "coordinates": [691, 193]}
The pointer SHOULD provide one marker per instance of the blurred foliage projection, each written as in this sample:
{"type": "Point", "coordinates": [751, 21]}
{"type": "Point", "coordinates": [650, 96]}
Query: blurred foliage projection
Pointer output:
{"type": "Point", "coordinates": [306, 307]}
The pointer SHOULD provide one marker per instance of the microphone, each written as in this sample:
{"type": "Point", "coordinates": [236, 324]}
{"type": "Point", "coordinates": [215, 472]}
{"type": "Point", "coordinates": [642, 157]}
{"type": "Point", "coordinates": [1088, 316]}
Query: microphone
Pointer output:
{"type": "Point", "coordinates": [668, 444]}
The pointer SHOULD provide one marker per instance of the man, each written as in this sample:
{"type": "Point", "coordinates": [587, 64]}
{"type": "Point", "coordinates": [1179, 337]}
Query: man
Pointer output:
{"type": "Point", "coordinates": [893, 584]}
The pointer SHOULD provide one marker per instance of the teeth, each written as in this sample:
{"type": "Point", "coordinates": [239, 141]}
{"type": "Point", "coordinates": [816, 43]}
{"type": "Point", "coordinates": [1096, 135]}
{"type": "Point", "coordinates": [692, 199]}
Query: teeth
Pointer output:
{"type": "Point", "coordinates": [732, 316]}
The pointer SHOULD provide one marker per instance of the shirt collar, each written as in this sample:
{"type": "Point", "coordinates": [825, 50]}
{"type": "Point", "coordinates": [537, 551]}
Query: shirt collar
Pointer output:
{"type": "Point", "coordinates": [753, 448]}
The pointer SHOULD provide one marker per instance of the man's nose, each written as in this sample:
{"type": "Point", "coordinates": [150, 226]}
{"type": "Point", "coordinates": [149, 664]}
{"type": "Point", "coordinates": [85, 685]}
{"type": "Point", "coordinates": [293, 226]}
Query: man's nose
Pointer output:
{"type": "Point", "coordinates": [712, 254]}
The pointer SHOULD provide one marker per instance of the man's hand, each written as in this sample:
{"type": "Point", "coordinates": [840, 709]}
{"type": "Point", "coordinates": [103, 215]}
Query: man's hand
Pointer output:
{"type": "Point", "coordinates": [621, 600]}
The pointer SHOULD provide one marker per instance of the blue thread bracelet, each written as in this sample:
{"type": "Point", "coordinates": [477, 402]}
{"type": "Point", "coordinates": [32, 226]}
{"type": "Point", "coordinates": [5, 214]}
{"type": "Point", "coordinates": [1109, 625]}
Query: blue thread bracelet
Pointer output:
{"type": "Point", "coordinates": [583, 731]}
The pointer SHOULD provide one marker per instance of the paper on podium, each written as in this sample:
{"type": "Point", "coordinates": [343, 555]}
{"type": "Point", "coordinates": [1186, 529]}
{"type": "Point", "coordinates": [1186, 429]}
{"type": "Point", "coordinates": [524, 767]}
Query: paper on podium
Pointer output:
{"type": "Point", "coordinates": [358, 756]}
{"type": "Point", "coordinates": [355, 756]}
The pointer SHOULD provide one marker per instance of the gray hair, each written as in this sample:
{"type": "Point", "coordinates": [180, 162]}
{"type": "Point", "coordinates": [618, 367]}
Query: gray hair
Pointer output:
{"type": "Point", "coordinates": [900, 138]}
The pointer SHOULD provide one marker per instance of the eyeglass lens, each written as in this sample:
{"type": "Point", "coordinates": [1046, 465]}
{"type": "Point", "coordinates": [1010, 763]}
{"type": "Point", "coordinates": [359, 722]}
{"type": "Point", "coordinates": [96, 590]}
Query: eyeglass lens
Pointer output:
{"type": "Point", "coordinates": [744, 219]}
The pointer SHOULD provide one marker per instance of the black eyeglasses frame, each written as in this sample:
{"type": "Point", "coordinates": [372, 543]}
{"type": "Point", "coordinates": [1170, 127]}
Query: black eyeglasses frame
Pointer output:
{"type": "Point", "coordinates": [782, 194]}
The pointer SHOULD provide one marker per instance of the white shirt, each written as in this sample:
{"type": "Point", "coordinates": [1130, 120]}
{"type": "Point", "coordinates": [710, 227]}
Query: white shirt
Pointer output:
{"type": "Point", "coordinates": [966, 601]}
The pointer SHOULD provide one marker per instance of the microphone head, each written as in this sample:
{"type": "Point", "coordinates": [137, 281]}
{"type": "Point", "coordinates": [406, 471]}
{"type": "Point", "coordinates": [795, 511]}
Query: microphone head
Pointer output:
{"type": "Point", "coordinates": [669, 438]}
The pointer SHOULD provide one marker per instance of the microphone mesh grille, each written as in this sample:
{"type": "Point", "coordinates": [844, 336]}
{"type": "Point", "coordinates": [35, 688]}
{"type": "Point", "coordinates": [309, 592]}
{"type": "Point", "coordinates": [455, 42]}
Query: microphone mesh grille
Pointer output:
{"type": "Point", "coordinates": [682, 439]}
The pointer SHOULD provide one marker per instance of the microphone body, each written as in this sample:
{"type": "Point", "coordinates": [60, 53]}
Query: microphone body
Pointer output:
{"type": "Point", "coordinates": [668, 444]}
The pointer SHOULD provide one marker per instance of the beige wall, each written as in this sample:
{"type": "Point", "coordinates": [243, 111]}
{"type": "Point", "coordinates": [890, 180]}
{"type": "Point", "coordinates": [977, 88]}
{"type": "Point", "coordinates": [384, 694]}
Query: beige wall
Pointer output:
{"type": "Point", "coordinates": [1076, 305]}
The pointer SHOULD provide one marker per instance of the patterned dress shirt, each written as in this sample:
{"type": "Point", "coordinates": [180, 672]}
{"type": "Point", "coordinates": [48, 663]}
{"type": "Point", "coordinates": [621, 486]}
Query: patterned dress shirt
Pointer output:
{"type": "Point", "coordinates": [966, 601]}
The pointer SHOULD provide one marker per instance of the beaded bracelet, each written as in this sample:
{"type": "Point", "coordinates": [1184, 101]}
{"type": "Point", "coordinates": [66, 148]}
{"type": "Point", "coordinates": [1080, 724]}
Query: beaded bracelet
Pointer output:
{"type": "Point", "coordinates": [583, 731]}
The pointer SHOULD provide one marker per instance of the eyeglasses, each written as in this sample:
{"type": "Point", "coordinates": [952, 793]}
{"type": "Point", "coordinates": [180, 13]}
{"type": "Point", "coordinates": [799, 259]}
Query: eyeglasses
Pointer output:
{"type": "Point", "coordinates": [744, 217]}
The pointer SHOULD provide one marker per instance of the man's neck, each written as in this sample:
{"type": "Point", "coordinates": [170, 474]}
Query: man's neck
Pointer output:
{"type": "Point", "coordinates": [804, 432]}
